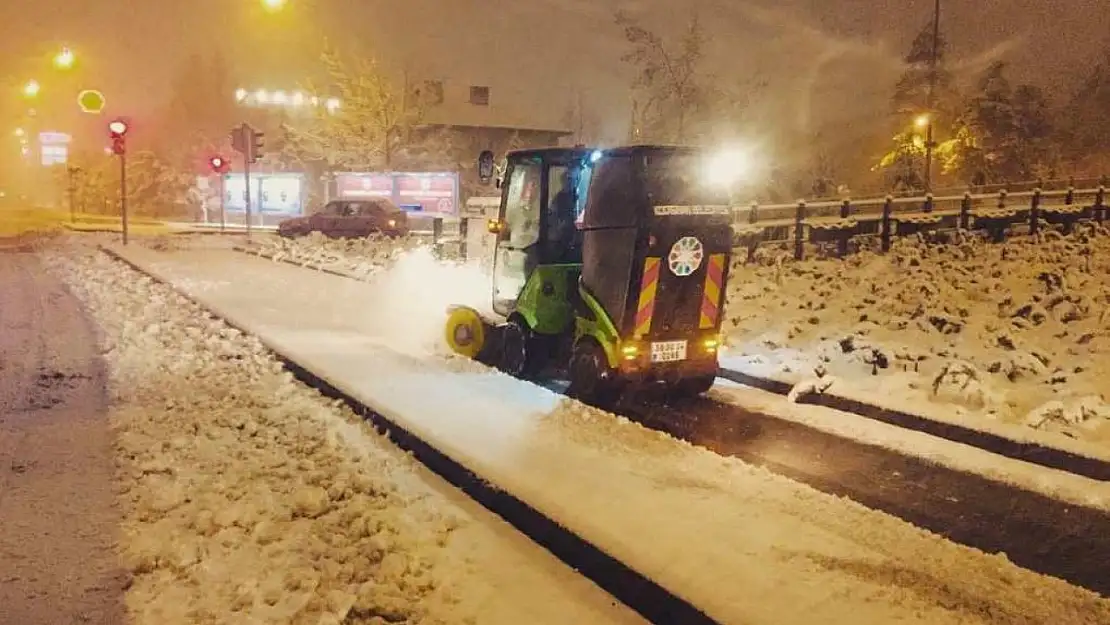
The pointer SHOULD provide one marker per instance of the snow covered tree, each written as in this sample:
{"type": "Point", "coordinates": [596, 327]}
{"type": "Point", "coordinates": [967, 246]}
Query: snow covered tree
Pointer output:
{"type": "Point", "coordinates": [582, 121]}
{"type": "Point", "coordinates": [377, 126]}
{"type": "Point", "coordinates": [95, 182]}
{"type": "Point", "coordinates": [157, 188]}
{"type": "Point", "coordinates": [1005, 133]}
{"type": "Point", "coordinates": [903, 166]}
{"type": "Point", "coordinates": [911, 93]}
{"type": "Point", "coordinates": [671, 92]}
{"type": "Point", "coordinates": [1086, 123]}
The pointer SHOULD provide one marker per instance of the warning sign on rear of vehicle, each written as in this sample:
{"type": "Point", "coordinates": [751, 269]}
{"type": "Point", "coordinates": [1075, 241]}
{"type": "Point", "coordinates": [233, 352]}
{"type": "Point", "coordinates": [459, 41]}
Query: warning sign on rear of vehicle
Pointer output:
{"type": "Point", "coordinates": [664, 211]}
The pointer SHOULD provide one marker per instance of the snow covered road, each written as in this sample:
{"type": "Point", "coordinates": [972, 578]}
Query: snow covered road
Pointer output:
{"type": "Point", "coordinates": [705, 518]}
{"type": "Point", "coordinates": [58, 521]}
{"type": "Point", "coordinates": [248, 498]}
{"type": "Point", "coordinates": [1067, 541]}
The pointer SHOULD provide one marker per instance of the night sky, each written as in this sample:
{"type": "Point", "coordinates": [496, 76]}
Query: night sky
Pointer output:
{"type": "Point", "coordinates": [824, 59]}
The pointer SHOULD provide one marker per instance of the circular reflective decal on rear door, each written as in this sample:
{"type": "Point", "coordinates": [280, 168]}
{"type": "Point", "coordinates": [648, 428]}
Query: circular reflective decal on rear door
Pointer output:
{"type": "Point", "coordinates": [685, 256]}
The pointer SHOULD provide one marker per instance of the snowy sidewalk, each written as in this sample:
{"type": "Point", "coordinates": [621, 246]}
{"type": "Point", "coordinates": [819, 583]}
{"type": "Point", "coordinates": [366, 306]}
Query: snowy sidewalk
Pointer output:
{"type": "Point", "coordinates": [249, 498]}
{"type": "Point", "coordinates": [743, 545]}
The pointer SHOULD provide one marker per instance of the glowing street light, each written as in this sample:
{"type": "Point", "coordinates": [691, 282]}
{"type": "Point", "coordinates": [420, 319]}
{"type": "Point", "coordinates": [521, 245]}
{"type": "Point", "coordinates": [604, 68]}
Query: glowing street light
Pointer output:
{"type": "Point", "coordinates": [273, 6]}
{"type": "Point", "coordinates": [19, 132]}
{"type": "Point", "coordinates": [240, 95]}
{"type": "Point", "coordinates": [922, 121]}
{"type": "Point", "coordinates": [64, 59]}
{"type": "Point", "coordinates": [31, 89]}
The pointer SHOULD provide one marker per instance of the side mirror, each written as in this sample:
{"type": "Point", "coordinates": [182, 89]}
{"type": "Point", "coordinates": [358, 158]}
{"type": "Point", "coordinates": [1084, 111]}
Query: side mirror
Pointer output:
{"type": "Point", "coordinates": [494, 226]}
{"type": "Point", "coordinates": [485, 166]}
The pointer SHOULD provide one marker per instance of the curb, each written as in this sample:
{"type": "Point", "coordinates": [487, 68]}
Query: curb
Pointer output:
{"type": "Point", "coordinates": [1033, 453]}
{"type": "Point", "coordinates": [334, 272]}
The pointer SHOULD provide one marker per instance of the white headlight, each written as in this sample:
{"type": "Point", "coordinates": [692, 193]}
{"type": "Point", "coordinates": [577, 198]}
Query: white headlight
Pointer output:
{"type": "Point", "coordinates": [728, 166]}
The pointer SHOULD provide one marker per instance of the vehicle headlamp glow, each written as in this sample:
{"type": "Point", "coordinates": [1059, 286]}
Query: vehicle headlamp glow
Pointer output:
{"type": "Point", "coordinates": [728, 166]}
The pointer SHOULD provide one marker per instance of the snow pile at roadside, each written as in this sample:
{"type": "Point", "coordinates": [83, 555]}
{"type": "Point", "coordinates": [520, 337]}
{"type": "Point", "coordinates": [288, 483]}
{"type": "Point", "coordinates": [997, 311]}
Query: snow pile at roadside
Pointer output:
{"type": "Point", "coordinates": [1018, 331]}
{"type": "Point", "coordinates": [248, 498]}
{"type": "Point", "coordinates": [358, 257]}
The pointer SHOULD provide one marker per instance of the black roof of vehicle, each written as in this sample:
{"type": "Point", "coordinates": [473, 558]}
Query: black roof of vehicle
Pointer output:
{"type": "Point", "coordinates": [622, 150]}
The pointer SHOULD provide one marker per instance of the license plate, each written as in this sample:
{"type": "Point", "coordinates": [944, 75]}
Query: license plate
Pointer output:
{"type": "Point", "coordinates": [668, 351]}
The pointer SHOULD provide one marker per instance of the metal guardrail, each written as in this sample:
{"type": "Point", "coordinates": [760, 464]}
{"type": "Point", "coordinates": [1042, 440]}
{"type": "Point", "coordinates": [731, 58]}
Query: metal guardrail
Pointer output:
{"type": "Point", "coordinates": [890, 217]}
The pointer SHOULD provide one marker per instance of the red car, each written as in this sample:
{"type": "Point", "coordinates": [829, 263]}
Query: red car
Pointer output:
{"type": "Point", "coordinates": [350, 219]}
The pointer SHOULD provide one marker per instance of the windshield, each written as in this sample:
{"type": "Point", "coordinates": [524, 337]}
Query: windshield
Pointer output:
{"type": "Point", "coordinates": [678, 179]}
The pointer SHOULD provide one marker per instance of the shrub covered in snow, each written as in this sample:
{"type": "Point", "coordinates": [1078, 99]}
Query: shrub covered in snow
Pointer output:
{"type": "Point", "coordinates": [249, 498]}
{"type": "Point", "coordinates": [1018, 330]}
{"type": "Point", "coordinates": [359, 257]}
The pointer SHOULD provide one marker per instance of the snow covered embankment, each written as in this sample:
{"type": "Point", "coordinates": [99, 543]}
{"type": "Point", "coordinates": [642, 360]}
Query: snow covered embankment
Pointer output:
{"type": "Point", "coordinates": [247, 496]}
{"type": "Point", "coordinates": [1018, 332]}
{"type": "Point", "coordinates": [359, 258]}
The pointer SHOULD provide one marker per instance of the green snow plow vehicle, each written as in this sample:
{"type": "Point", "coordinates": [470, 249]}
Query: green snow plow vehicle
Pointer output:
{"type": "Point", "coordinates": [610, 269]}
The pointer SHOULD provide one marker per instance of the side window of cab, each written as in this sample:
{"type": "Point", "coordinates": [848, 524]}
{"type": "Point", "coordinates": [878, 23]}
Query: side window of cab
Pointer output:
{"type": "Point", "coordinates": [522, 203]}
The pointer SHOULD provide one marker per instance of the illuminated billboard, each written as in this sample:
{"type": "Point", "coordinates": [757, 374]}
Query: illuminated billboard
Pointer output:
{"type": "Point", "coordinates": [364, 185]}
{"type": "Point", "coordinates": [277, 194]}
{"type": "Point", "coordinates": [54, 148]}
{"type": "Point", "coordinates": [432, 193]}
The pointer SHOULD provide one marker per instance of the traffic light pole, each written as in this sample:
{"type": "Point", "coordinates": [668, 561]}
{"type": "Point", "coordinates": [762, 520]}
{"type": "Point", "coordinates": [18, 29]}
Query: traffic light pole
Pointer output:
{"type": "Point", "coordinates": [223, 210]}
{"type": "Point", "coordinates": [71, 188]}
{"type": "Point", "coordinates": [123, 194]}
{"type": "Point", "coordinates": [247, 179]}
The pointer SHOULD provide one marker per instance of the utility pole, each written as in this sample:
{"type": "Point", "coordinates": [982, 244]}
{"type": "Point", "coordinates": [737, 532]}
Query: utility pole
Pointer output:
{"type": "Point", "coordinates": [930, 141]}
{"type": "Point", "coordinates": [223, 209]}
{"type": "Point", "coordinates": [71, 188]}
{"type": "Point", "coordinates": [220, 167]}
{"type": "Point", "coordinates": [123, 194]}
{"type": "Point", "coordinates": [248, 142]}
{"type": "Point", "coordinates": [117, 130]}
{"type": "Point", "coordinates": [247, 180]}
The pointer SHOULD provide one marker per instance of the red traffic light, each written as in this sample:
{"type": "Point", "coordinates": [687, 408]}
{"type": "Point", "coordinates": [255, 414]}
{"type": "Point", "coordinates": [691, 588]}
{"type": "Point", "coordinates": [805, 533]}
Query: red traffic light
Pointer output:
{"type": "Point", "coordinates": [117, 128]}
{"type": "Point", "coordinates": [219, 164]}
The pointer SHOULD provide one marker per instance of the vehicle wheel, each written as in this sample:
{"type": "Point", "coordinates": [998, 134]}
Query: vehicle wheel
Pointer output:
{"type": "Point", "coordinates": [692, 387]}
{"type": "Point", "coordinates": [515, 355]}
{"type": "Point", "coordinates": [591, 379]}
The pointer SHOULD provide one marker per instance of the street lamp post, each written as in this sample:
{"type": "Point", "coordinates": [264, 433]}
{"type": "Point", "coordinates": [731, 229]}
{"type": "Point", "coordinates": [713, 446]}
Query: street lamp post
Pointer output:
{"type": "Point", "coordinates": [930, 142]}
